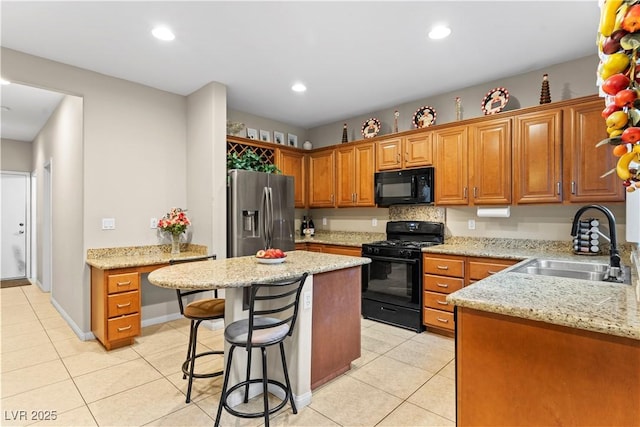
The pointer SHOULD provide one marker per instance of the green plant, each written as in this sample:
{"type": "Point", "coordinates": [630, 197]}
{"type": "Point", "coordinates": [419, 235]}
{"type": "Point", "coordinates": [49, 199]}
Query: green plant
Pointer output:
{"type": "Point", "coordinates": [249, 160]}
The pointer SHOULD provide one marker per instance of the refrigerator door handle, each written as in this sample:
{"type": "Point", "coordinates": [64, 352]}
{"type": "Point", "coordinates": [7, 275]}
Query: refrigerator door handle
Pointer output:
{"type": "Point", "coordinates": [270, 223]}
{"type": "Point", "coordinates": [265, 215]}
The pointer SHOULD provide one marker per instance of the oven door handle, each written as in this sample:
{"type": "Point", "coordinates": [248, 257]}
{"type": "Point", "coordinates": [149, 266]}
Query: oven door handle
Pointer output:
{"type": "Point", "coordinates": [390, 259]}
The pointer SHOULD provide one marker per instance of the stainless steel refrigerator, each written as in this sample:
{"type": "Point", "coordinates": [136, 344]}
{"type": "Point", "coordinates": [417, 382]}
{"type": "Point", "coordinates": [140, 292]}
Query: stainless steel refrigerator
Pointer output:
{"type": "Point", "coordinates": [260, 212]}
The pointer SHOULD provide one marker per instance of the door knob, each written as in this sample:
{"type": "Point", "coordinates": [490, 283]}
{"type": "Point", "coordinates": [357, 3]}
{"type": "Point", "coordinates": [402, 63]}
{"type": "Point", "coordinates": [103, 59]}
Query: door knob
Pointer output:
{"type": "Point", "coordinates": [21, 232]}
{"type": "Point", "coordinates": [21, 224]}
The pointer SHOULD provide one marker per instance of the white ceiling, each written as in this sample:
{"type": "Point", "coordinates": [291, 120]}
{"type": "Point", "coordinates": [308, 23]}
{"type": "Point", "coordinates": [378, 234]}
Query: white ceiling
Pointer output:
{"type": "Point", "coordinates": [354, 56]}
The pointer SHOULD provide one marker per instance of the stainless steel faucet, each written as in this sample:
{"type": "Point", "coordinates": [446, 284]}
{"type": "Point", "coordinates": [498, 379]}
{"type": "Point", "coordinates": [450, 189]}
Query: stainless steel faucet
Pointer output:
{"type": "Point", "coordinates": [614, 256]}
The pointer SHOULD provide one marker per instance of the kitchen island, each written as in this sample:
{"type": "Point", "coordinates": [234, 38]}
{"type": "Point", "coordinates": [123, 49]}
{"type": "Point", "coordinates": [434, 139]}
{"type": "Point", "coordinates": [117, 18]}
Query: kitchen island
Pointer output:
{"type": "Point", "coordinates": [326, 338]}
{"type": "Point", "coordinates": [541, 350]}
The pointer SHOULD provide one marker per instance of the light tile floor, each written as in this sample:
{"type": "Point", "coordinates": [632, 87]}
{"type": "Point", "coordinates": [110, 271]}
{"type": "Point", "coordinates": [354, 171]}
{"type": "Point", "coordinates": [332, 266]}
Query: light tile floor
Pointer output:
{"type": "Point", "coordinates": [402, 378]}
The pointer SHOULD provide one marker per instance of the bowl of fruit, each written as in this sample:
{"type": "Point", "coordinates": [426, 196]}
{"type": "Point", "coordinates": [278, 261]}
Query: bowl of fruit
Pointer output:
{"type": "Point", "coordinates": [270, 256]}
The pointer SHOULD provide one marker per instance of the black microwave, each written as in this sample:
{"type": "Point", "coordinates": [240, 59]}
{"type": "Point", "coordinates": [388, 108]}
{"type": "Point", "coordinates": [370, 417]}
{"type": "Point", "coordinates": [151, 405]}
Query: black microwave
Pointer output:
{"type": "Point", "coordinates": [411, 186]}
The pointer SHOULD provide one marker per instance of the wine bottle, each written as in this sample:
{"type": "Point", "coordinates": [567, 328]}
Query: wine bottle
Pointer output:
{"type": "Point", "coordinates": [303, 226]}
{"type": "Point", "coordinates": [311, 227]}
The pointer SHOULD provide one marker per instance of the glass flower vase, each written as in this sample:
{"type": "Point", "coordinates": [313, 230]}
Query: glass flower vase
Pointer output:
{"type": "Point", "coordinates": [175, 244]}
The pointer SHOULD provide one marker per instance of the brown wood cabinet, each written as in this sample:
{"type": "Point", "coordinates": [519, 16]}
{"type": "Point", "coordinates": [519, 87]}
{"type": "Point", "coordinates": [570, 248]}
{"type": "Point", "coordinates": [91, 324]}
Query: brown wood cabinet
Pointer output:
{"type": "Point", "coordinates": [584, 163]}
{"type": "Point", "coordinates": [490, 162]}
{"type": "Point", "coordinates": [293, 163]}
{"type": "Point", "coordinates": [452, 170]}
{"type": "Point", "coordinates": [513, 371]}
{"type": "Point", "coordinates": [115, 304]}
{"type": "Point", "coordinates": [355, 166]}
{"type": "Point", "coordinates": [409, 151]}
{"type": "Point", "coordinates": [322, 178]}
{"type": "Point", "coordinates": [335, 341]}
{"type": "Point", "coordinates": [330, 249]}
{"type": "Point", "coordinates": [444, 274]}
{"type": "Point", "coordinates": [537, 157]}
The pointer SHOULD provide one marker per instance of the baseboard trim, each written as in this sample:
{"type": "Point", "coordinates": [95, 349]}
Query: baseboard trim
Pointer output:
{"type": "Point", "coordinates": [84, 336]}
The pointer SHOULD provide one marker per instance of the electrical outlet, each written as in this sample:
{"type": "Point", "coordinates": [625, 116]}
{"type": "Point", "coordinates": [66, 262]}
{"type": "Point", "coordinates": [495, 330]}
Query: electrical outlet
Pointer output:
{"type": "Point", "coordinates": [472, 224]}
{"type": "Point", "coordinates": [306, 299]}
{"type": "Point", "coordinates": [374, 222]}
{"type": "Point", "coordinates": [153, 223]}
{"type": "Point", "coordinates": [324, 221]}
{"type": "Point", "coordinates": [108, 223]}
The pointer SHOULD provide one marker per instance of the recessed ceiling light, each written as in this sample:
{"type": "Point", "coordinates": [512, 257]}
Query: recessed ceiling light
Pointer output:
{"type": "Point", "coordinates": [439, 32]}
{"type": "Point", "coordinates": [298, 87]}
{"type": "Point", "coordinates": [5, 82]}
{"type": "Point", "coordinates": [163, 33]}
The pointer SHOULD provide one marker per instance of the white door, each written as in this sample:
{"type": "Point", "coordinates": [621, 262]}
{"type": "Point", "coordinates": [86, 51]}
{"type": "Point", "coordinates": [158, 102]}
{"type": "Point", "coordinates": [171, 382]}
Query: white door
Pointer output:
{"type": "Point", "coordinates": [15, 190]}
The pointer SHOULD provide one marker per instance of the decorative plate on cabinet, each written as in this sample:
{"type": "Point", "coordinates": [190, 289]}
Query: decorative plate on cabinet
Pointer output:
{"type": "Point", "coordinates": [495, 100]}
{"type": "Point", "coordinates": [424, 116]}
{"type": "Point", "coordinates": [371, 128]}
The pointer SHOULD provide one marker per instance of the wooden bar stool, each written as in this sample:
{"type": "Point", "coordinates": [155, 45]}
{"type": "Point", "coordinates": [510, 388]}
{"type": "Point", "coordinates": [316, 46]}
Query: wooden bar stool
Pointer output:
{"type": "Point", "coordinates": [267, 325]}
{"type": "Point", "coordinates": [198, 311]}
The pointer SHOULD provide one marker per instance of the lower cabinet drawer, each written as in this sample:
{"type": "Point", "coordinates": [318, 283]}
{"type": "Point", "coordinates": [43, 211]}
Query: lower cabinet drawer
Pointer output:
{"type": "Point", "coordinates": [442, 284]}
{"type": "Point", "coordinates": [123, 282]}
{"type": "Point", "coordinates": [437, 301]}
{"type": "Point", "coordinates": [438, 318]}
{"type": "Point", "coordinates": [481, 270]}
{"type": "Point", "coordinates": [123, 327]}
{"type": "Point", "coordinates": [124, 303]}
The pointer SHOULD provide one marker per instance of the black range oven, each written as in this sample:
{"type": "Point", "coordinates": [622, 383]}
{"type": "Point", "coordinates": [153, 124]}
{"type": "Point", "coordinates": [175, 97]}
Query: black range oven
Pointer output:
{"type": "Point", "coordinates": [392, 283]}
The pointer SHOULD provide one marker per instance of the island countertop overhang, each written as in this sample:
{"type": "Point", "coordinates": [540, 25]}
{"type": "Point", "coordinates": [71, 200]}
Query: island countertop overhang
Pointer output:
{"type": "Point", "coordinates": [242, 271]}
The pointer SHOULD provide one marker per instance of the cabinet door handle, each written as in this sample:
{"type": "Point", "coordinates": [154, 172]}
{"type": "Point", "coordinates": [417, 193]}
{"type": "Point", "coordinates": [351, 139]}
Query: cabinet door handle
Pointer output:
{"type": "Point", "coordinates": [475, 192]}
{"type": "Point", "coordinates": [127, 283]}
{"type": "Point", "coordinates": [124, 329]}
{"type": "Point", "coordinates": [465, 193]}
{"type": "Point", "coordinates": [439, 319]}
{"type": "Point", "coordinates": [442, 285]}
{"type": "Point", "coordinates": [442, 267]}
{"type": "Point", "coordinates": [442, 302]}
{"type": "Point", "coordinates": [491, 272]}
{"type": "Point", "coordinates": [573, 187]}
{"type": "Point", "coordinates": [123, 305]}
{"type": "Point", "coordinates": [331, 198]}
{"type": "Point", "coordinates": [558, 188]}
{"type": "Point", "coordinates": [398, 158]}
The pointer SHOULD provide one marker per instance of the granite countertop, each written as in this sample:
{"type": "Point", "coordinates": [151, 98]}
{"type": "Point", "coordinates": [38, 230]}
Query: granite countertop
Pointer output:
{"type": "Point", "coordinates": [242, 271]}
{"type": "Point", "coordinates": [607, 308]}
{"type": "Point", "coordinates": [343, 238]}
{"type": "Point", "coordinates": [137, 256]}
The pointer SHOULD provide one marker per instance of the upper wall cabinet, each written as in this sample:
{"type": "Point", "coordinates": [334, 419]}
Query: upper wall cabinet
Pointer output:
{"type": "Point", "coordinates": [354, 175]}
{"type": "Point", "coordinates": [584, 163]}
{"type": "Point", "coordinates": [537, 157]}
{"type": "Point", "coordinates": [322, 178]}
{"type": "Point", "coordinates": [452, 170]}
{"type": "Point", "coordinates": [410, 151]}
{"type": "Point", "coordinates": [473, 164]}
{"type": "Point", "coordinates": [293, 163]}
{"type": "Point", "coordinates": [490, 162]}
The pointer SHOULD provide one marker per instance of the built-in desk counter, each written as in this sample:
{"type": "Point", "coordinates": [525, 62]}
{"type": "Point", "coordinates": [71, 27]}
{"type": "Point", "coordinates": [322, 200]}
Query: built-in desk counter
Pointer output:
{"type": "Point", "coordinates": [115, 287]}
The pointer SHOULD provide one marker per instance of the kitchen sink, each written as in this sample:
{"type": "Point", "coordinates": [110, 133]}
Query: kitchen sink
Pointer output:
{"type": "Point", "coordinates": [598, 272]}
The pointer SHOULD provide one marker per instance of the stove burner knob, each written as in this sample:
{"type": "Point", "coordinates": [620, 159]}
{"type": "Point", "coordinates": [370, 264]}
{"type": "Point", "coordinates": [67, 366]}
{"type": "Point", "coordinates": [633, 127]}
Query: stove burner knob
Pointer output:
{"type": "Point", "coordinates": [405, 253]}
{"type": "Point", "coordinates": [376, 250]}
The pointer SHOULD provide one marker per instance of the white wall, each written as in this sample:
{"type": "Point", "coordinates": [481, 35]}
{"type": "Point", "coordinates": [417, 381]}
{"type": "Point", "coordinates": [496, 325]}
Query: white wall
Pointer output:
{"type": "Point", "coordinates": [16, 155]}
{"type": "Point", "coordinates": [568, 80]}
{"type": "Point", "coordinates": [258, 123]}
{"type": "Point", "coordinates": [60, 145]}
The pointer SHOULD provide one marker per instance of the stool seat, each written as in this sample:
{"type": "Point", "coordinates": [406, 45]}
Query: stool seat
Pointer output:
{"type": "Point", "coordinates": [261, 330]}
{"type": "Point", "coordinates": [205, 309]}
{"type": "Point", "coordinates": [198, 311]}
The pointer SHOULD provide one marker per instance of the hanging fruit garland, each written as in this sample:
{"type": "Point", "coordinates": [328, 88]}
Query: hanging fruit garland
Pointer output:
{"type": "Point", "coordinates": [619, 46]}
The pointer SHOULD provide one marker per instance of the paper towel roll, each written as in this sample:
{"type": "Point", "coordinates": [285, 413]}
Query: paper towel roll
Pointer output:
{"type": "Point", "coordinates": [497, 212]}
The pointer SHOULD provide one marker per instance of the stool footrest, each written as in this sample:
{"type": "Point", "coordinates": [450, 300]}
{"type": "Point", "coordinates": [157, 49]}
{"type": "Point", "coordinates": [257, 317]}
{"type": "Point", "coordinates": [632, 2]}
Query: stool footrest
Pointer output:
{"type": "Point", "coordinates": [187, 363]}
{"type": "Point", "coordinates": [276, 408]}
